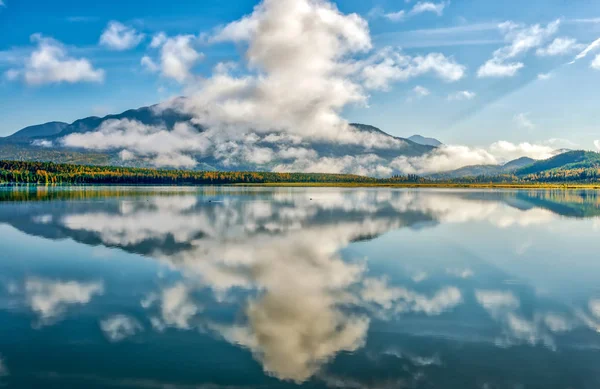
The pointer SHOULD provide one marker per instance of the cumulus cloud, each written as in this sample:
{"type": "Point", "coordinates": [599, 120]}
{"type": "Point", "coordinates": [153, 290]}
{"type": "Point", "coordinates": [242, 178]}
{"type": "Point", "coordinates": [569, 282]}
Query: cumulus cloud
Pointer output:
{"type": "Point", "coordinates": [50, 63]}
{"type": "Point", "coordinates": [239, 113]}
{"type": "Point", "coordinates": [559, 46]}
{"type": "Point", "coordinates": [389, 66]}
{"type": "Point", "coordinates": [120, 327]}
{"type": "Point", "coordinates": [119, 37]}
{"type": "Point", "coordinates": [462, 95]}
{"type": "Point", "coordinates": [521, 39]}
{"type": "Point", "coordinates": [178, 56]}
{"type": "Point", "coordinates": [50, 299]}
{"type": "Point", "coordinates": [332, 77]}
{"type": "Point", "coordinates": [176, 308]}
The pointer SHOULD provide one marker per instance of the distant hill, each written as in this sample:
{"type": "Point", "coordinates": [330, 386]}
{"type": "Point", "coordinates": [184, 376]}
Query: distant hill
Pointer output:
{"type": "Point", "coordinates": [425, 141]}
{"type": "Point", "coordinates": [571, 160]}
{"type": "Point", "coordinates": [40, 130]}
{"type": "Point", "coordinates": [484, 170]}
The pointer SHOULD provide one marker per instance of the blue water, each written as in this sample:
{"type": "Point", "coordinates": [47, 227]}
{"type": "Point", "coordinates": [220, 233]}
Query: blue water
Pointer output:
{"type": "Point", "coordinates": [284, 287]}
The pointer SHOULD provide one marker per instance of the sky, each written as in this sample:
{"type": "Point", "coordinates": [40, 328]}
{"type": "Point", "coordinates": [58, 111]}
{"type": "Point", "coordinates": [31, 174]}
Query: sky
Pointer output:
{"type": "Point", "coordinates": [464, 71]}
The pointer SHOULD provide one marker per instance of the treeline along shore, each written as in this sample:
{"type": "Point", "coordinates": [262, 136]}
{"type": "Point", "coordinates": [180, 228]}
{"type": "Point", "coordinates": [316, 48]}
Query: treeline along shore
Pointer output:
{"type": "Point", "coordinates": [49, 173]}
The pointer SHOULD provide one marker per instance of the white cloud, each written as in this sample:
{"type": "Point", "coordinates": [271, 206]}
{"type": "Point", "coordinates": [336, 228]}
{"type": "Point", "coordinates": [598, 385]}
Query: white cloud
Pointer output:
{"type": "Point", "coordinates": [49, 63]}
{"type": "Point", "coordinates": [506, 151]}
{"type": "Point", "coordinates": [497, 302]}
{"type": "Point", "coordinates": [158, 40]}
{"type": "Point", "coordinates": [50, 299]}
{"type": "Point", "coordinates": [149, 64]}
{"type": "Point", "coordinates": [418, 8]}
{"type": "Point", "coordinates": [389, 66]}
{"type": "Point", "coordinates": [522, 120]}
{"type": "Point", "coordinates": [119, 37]}
{"type": "Point", "coordinates": [462, 95]}
{"type": "Point", "coordinates": [559, 46]}
{"type": "Point", "coordinates": [402, 300]}
{"type": "Point", "coordinates": [589, 48]}
{"type": "Point", "coordinates": [495, 68]}
{"type": "Point", "coordinates": [426, 6]}
{"type": "Point", "coordinates": [597, 144]}
{"type": "Point", "coordinates": [521, 39]}
{"type": "Point", "coordinates": [163, 147]}
{"type": "Point", "coordinates": [544, 76]}
{"type": "Point", "coordinates": [120, 327]}
{"type": "Point", "coordinates": [444, 158]}
{"type": "Point", "coordinates": [176, 308]}
{"type": "Point", "coordinates": [177, 56]}
{"type": "Point", "coordinates": [395, 16]}
{"type": "Point", "coordinates": [596, 63]}
{"type": "Point", "coordinates": [421, 91]}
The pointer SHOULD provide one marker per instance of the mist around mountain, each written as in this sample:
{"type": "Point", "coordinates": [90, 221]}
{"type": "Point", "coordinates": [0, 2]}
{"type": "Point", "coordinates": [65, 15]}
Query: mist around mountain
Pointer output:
{"type": "Point", "coordinates": [484, 170]}
{"type": "Point", "coordinates": [45, 142]}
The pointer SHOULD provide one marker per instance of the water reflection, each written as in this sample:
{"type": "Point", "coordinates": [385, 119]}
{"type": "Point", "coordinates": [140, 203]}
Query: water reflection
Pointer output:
{"type": "Point", "coordinates": [327, 287]}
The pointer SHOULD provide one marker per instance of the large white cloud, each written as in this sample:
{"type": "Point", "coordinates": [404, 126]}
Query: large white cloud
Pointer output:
{"type": "Point", "coordinates": [118, 36]}
{"type": "Point", "coordinates": [50, 63]}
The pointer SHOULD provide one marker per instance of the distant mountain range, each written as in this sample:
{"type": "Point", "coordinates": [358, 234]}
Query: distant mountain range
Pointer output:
{"type": "Point", "coordinates": [38, 143]}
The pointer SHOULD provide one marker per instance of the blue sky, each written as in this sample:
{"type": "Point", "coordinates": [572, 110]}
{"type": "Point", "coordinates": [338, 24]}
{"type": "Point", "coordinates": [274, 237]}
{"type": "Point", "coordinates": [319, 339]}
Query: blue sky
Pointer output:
{"type": "Point", "coordinates": [545, 98]}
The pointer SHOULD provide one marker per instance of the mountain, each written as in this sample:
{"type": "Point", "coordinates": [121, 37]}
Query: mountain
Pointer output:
{"type": "Point", "coordinates": [40, 130]}
{"type": "Point", "coordinates": [425, 141]}
{"type": "Point", "coordinates": [40, 143]}
{"type": "Point", "coordinates": [565, 162]}
{"type": "Point", "coordinates": [484, 170]}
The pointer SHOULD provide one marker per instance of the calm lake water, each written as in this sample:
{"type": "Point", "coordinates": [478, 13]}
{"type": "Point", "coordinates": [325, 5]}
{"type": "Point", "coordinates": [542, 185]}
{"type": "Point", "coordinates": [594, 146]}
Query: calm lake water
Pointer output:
{"type": "Point", "coordinates": [314, 287]}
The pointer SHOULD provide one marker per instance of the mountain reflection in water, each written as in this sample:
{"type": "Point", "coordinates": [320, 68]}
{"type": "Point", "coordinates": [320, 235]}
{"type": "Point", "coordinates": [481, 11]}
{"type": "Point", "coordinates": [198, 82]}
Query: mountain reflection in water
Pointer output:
{"type": "Point", "coordinates": [339, 288]}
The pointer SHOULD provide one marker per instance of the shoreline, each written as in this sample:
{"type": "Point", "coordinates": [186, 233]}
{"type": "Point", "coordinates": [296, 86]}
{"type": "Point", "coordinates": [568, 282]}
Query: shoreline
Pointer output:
{"type": "Point", "coordinates": [565, 186]}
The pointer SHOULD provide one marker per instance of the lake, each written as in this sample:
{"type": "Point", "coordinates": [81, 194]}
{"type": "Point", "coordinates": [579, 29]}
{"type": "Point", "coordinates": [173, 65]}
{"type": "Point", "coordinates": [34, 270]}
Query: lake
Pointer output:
{"type": "Point", "coordinates": [233, 287]}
